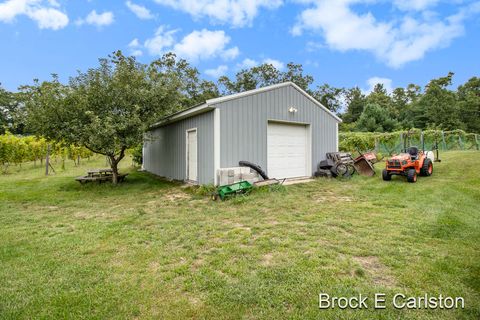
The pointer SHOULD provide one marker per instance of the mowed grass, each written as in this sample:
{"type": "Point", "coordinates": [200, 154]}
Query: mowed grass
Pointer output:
{"type": "Point", "coordinates": [154, 249]}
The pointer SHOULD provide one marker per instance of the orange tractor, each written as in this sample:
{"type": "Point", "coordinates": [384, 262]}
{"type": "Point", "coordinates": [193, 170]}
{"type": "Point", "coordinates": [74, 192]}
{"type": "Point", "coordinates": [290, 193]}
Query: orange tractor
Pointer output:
{"type": "Point", "coordinates": [408, 164]}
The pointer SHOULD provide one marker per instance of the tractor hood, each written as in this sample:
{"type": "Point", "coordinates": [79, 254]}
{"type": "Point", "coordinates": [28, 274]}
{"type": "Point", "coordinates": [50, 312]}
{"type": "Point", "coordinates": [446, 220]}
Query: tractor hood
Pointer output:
{"type": "Point", "coordinates": [401, 156]}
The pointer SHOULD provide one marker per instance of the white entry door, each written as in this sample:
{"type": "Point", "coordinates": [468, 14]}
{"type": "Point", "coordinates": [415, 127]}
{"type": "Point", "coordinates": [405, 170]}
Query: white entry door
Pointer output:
{"type": "Point", "coordinates": [287, 154]}
{"type": "Point", "coordinates": [192, 163]}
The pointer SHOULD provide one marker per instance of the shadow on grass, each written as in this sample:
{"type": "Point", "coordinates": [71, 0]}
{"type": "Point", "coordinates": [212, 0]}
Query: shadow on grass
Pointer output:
{"type": "Point", "coordinates": [135, 182]}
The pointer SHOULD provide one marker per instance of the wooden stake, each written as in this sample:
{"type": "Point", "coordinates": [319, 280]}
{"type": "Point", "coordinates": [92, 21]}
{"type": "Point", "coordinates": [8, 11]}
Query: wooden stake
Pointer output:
{"type": "Point", "coordinates": [47, 160]}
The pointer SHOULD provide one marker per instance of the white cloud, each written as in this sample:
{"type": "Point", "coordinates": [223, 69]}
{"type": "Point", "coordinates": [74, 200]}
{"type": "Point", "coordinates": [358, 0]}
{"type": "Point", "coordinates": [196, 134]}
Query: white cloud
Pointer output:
{"type": "Point", "coordinates": [238, 13]}
{"type": "Point", "coordinates": [276, 63]}
{"type": "Point", "coordinates": [197, 45]}
{"type": "Point", "coordinates": [217, 72]}
{"type": "Point", "coordinates": [247, 64]}
{"type": "Point", "coordinates": [372, 82]}
{"type": "Point", "coordinates": [137, 53]}
{"type": "Point", "coordinates": [162, 40]}
{"type": "Point", "coordinates": [250, 63]}
{"type": "Point", "coordinates": [414, 5]}
{"type": "Point", "coordinates": [395, 42]}
{"type": "Point", "coordinates": [134, 43]}
{"type": "Point", "coordinates": [205, 44]}
{"type": "Point", "coordinates": [140, 11]}
{"type": "Point", "coordinates": [134, 47]}
{"type": "Point", "coordinates": [97, 19]}
{"type": "Point", "coordinates": [40, 11]}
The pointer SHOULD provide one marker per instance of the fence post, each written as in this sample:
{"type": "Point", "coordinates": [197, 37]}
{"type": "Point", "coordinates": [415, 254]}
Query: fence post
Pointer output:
{"type": "Point", "coordinates": [460, 144]}
{"type": "Point", "coordinates": [476, 141]}
{"type": "Point", "coordinates": [422, 142]}
{"type": "Point", "coordinates": [444, 144]}
{"type": "Point", "coordinates": [47, 160]}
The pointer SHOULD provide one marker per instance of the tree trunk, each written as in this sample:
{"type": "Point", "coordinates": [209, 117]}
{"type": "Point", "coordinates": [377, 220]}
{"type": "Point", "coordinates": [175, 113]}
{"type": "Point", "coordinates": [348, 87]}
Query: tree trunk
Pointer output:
{"type": "Point", "coordinates": [114, 166]}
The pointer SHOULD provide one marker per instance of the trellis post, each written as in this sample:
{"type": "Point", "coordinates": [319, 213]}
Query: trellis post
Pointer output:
{"type": "Point", "coordinates": [444, 144]}
{"type": "Point", "coordinates": [47, 160]}
{"type": "Point", "coordinates": [422, 142]}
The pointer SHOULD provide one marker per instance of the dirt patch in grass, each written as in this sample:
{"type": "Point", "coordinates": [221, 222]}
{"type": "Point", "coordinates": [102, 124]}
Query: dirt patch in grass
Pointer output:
{"type": "Point", "coordinates": [176, 196]}
{"type": "Point", "coordinates": [376, 270]}
{"type": "Point", "coordinates": [267, 259]}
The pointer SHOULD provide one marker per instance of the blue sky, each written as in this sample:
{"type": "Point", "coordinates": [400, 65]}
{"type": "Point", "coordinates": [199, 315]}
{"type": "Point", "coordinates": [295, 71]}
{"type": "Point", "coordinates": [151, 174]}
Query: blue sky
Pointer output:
{"type": "Point", "coordinates": [344, 43]}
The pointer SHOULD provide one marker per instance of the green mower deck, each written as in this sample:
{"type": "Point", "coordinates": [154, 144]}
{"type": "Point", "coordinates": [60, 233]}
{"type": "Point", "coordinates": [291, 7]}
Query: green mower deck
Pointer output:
{"type": "Point", "coordinates": [231, 190]}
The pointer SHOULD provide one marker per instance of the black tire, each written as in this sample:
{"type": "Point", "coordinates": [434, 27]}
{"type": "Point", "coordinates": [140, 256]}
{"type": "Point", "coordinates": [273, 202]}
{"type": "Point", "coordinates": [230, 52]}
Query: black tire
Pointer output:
{"type": "Point", "coordinates": [326, 164]}
{"type": "Point", "coordinates": [427, 168]}
{"type": "Point", "coordinates": [255, 167]}
{"type": "Point", "coordinates": [341, 169]}
{"type": "Point", "coordinates": [411, 175]}
{"type": "Point", "coordinates": [351, 169]}
{"type": "Point", "coordinates": [386, 176]}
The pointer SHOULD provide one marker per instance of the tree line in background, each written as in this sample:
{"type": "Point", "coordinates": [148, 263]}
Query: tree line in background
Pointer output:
{"type": "Point", "coordinates": [108, 108]}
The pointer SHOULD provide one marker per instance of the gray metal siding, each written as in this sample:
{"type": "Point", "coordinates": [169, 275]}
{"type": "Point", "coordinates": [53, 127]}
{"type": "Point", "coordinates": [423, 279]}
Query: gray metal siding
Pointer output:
{"type": "Point", "coordinates": [243, 125]}
{"type": "Point", "coordinates": [165, 154]}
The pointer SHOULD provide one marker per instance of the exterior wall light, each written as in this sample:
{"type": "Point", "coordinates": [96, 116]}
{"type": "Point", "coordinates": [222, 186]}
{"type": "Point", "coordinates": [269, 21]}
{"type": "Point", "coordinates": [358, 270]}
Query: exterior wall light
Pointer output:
{"type": "Point", "coordinates": [292, 110]}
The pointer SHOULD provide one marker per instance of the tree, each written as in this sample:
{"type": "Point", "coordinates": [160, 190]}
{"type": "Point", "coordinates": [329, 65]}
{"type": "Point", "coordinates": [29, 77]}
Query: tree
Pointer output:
{"type": "Point", "coordinates": [107, 109]}
{"type": "Point", "coordinates": [355, 101]}
{"type": "Point", "coordinates": [294, 73]}
{"type": "Point", "coordinates": [380, 97]}
{"type": "Point", "coordinates": [330, 97]}
{"type": "Point", "coordinates": [4, 103]}
{"type": "Point", "coordinates": [403, 100]}
{"type": "Point", "coordinates": [10, 112]}
{"type": "Point", "coordinates": [437, 107]}
{"type": "Point", "coordinates": [469, 104]}
{"type": "Point", "coordinates": [249, 79]}
{"type": "Point", "coordinates": [265, 75]}
{"type": "Point", "coordinates": [376, 119]}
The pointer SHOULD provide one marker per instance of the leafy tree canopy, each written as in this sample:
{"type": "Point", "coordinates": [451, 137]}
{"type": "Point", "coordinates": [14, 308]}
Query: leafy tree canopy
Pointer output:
{"type": "Point", "coordinates": [265, 75]}
{"type": "Point", "coordinates": [108, 108]}
{"type": "Point", "coordinates": [374, 118]}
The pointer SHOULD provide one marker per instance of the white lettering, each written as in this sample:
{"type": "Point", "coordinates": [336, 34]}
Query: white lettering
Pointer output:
{"type": "Point", "coordinates": [395, 298]}
{"type": "Point", "coordinates": [324, 301]}
{"type": "Point", "coordinates": [380, 301]}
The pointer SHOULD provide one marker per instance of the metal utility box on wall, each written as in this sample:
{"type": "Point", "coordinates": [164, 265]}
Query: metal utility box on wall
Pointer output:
{"type": "Point", "coordinates": [279, 127]}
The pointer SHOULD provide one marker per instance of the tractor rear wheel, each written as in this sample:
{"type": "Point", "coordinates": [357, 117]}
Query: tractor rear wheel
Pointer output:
{"type": "Point", "coordinates": [411, 175]}
{"type": "Point", "coordinates": [386, 176]}
{"type": "Point", "coordinates": [427, 168]}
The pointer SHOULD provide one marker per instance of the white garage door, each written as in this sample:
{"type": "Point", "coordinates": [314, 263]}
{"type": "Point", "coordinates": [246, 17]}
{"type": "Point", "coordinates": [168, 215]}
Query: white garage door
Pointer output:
{"type": "Point", "coordinates": [287, 150]}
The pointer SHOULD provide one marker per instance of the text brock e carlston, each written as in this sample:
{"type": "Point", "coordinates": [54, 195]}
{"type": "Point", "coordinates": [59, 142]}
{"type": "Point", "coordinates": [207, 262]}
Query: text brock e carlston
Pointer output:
{"type": "Point", "coordinates": [398, 301]}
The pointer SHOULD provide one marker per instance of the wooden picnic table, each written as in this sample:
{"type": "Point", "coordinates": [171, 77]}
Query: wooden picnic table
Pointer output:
{"type": "Point", "coordinates": [100, 175]}
{"type": "Point", "coordinates": [99, 172]}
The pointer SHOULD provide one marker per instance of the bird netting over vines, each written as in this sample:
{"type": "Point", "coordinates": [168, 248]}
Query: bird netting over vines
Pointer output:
{"type": "Point", "coordinates": [395, 142]}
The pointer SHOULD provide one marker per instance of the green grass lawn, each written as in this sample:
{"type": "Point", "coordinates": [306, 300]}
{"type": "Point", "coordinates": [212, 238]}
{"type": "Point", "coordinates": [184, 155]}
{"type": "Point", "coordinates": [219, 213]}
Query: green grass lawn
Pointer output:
{"type": "Point", "coordinates": [153, 249]}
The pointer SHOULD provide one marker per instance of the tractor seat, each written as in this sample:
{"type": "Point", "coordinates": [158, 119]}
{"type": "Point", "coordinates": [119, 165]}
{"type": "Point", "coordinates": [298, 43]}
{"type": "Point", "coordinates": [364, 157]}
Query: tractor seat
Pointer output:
{"type": "Point", "coordinates": [413, 152]}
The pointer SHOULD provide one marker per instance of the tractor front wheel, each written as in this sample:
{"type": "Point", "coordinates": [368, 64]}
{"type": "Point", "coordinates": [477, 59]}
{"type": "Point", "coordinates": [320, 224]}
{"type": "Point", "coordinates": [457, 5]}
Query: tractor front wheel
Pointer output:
{"type": "Point", "coordinates": [427, 168]}
{"type": "Point", "coordinates": [386, 176]}
{"type": "Point", "coordinates": [411, 175]}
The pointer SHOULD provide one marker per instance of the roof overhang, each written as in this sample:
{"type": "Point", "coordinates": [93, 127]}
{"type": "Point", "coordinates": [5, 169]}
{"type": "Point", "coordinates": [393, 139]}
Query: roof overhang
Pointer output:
{"type": "Point", "coordinates": [198, 109]}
